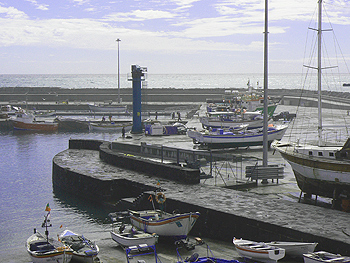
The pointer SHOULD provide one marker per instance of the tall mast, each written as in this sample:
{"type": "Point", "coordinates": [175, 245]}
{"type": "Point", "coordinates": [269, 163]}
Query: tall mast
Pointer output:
{"type": "Point", "coordinates": [265, 135]}
{"type": "Point", "coordinates": [118, 40]}
{"type": "Point", "coordinates": [319, 72]}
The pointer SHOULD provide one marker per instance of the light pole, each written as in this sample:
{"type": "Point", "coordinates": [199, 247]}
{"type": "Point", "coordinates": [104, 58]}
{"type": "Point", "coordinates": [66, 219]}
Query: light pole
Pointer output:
{"type": "Point", "coordinates": [118, 40]}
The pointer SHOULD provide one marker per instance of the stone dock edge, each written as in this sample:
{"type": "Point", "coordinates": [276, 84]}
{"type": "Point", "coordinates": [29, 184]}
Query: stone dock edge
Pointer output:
{"type": "Point", "coordinates": [225, 213]}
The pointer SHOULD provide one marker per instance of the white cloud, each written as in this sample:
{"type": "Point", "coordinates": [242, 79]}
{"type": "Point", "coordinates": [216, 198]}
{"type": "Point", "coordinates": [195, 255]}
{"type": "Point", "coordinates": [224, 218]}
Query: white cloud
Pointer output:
{"type": "Point", "coordinates": [12, 13]}
{"type": "Point", "coordinates": [139, 15]}
{"type": "Point", "coordinates": [38, 6]}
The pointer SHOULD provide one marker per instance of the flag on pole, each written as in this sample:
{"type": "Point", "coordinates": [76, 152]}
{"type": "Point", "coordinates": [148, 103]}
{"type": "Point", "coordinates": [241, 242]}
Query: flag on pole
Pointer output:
{"type": "Point", "coordinates": [47, 209]}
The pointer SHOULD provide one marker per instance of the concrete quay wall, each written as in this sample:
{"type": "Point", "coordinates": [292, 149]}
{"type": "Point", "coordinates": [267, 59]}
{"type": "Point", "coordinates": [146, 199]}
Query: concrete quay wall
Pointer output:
{"type": "Point", "coordinates": [225, 213]}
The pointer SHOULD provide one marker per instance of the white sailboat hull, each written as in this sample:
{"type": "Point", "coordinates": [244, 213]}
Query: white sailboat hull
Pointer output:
{"type": "Point", "coordinates": [315, 175]}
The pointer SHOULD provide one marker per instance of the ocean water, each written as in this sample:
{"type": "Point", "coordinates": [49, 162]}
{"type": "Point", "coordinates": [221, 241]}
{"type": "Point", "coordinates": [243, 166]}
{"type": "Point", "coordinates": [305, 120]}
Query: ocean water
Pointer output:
{"type": "Point", "coordinates": [179, 81]}
{"type": "Point", "coordinates": [26, 164]}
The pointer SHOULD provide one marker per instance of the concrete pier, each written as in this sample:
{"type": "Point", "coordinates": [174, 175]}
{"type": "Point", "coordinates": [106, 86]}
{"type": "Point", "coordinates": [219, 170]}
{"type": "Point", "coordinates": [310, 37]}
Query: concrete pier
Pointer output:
{"type": "Point", "coordinates": [225, 213]}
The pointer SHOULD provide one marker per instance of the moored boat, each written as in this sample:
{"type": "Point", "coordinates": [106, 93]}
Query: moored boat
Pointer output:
{"type": "Point", "coordinates": [232, 119]}
{"type": "Point", "coordinates": [126, 236]}
{"type": "Point", "coordinates": [84, 250]}
{"type": "Point", "coordinates": [294, 249]}
{"type": "Point", "coordinates": [221, 138]}
{"type": "Point", "coordinates": [164, 224]}
{"type": "Point", "coordinates": [323, 257]}
{"type": "Point", "coordinates": [44, 249]}
{"type": "Point", "coordinates": [323, 168]}
{"type": "Point", "coordinates": [258, 251]}
{"type": "Point", "coordinates": [27, 121]}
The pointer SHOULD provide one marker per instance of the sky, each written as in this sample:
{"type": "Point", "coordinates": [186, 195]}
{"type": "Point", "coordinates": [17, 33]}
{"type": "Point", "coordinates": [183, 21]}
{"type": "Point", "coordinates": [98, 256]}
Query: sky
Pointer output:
{"type": "Point", "coordinates": [166, 36]}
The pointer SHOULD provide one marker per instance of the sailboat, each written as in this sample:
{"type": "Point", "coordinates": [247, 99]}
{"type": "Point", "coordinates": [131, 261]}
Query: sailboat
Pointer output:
{"type": "Point", "coordinates": [240, 136]}
{"type": "Point", "coordinates": [323, 169]}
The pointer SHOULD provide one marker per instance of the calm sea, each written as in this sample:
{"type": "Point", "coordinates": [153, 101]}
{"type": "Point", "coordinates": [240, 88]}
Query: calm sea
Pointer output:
{"type": "Point", "coordinates": [26, 162]}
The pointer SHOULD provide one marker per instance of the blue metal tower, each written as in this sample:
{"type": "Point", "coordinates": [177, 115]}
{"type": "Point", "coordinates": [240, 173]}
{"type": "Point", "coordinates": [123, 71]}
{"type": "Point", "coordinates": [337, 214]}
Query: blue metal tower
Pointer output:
{"type": "Point", "coordinates": [138, 75]}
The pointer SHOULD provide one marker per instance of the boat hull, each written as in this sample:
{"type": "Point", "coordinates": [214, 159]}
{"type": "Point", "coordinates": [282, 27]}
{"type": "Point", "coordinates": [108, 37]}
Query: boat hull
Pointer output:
{"type": "Point", "coordinates": [84, 250]}
{"type": "Point", "coordinates": [108, 109]}
{"type": "Point", "coordinates": [109, 127]}
{"type": "Point", "coordinates": [322, 256]}
{"type": "Point", "coordinates": [317, 176]}
{"type": "Point", "coordinates": [126, 240]}
{"type": "Point", "coordinates": [295, 249]}
{"type": "Point", "coordinates": [177, 226]}
{"type": "Point", "coordinates": [258, 251]}
{"type": "Point", "coordinates": [208, 123]}
{"type": "Point", "coordinates": [45, 127]}
{"type": "Point", "coordinates": [236, 140]}
{"type": "Point", "coordinates": [40, 251]}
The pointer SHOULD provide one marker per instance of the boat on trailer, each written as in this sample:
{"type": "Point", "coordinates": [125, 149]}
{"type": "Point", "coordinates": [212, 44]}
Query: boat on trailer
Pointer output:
{"type": "Point", "coordinates": [235, 138]}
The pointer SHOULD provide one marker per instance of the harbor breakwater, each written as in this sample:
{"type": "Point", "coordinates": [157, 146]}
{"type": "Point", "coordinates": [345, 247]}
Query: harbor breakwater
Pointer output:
{"type": "Point", "coordinates": [61, 99]}
{"type": "Point", "coordinates": [91, 170]}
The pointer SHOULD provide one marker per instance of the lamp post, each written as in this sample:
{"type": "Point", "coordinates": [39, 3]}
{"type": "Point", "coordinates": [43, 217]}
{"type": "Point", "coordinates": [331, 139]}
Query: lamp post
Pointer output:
{"type": "Point", "coordinates": [118, 40]}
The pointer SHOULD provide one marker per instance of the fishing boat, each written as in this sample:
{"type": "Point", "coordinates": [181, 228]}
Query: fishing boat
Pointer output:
{"type": "Point", "coordinates": [72, 124]}
{"type": "Point", "coordinates": [84, 250]}
{"type": "Point", "coordinates": [233, 138]}
{"type": "Point", "coordinates": [127, 235]}
{"type": "Point", "coordinates": [26, 121]}
{"type": "Point", "coordinates": [323, 168]}
{"type": "Point", "coordinates": [229, 119]}
{"type": "Point", "coordinates": [294, 249]}
{"type": "Point", "coordinates": [258, 251]}
{"type": "Point", "coordinates": [322, 257]}
{"type": "Point", "coordinates": [164, 224]}
{"type": "Point", "coordinates": [44, 249]}
{"type": "Point", "coordinates": [251, 100]}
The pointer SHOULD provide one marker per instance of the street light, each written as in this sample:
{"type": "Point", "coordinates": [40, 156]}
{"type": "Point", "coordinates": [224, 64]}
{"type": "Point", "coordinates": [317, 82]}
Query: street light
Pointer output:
{"type": "Point", "coordinates": [118, 40]}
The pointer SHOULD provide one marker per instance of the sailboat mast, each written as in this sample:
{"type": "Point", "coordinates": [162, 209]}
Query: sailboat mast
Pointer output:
{"type": "Point", "coordinates": [265, 135]}
{"type": "Point", "coordinates": [319, 72]}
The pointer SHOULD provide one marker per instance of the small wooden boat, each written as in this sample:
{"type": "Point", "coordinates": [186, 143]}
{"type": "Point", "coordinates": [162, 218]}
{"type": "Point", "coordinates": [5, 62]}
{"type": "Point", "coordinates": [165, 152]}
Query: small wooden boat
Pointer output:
{"type": "Point", "coordinates": [84, 250]}
{"type": "Point", "coordinates": [294, 249]}
{"type": "Point", "coordinates": [44, 249]}
{"type": "Point", "coordinates": [27, 121]}
{"type": "Point", "coordinates": [258, 251]}
{"type": "Point", "coordinates": [127, 235]}
{"type": "Point", "coordinates": [163, 223]}
{"type": "Point", "coordinates": [322, 256]}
